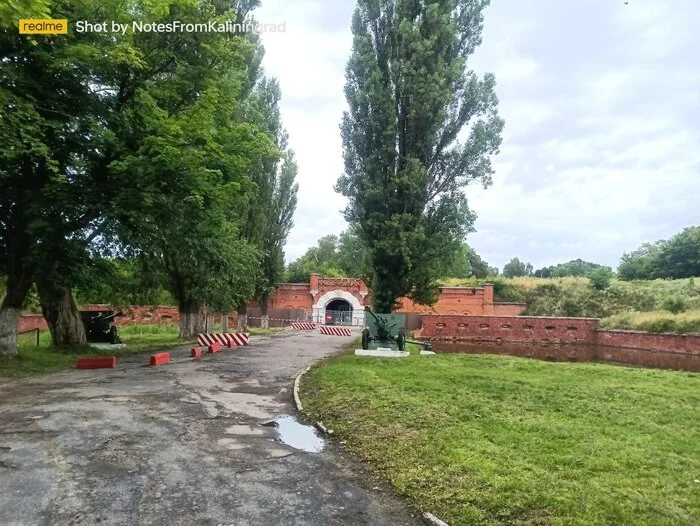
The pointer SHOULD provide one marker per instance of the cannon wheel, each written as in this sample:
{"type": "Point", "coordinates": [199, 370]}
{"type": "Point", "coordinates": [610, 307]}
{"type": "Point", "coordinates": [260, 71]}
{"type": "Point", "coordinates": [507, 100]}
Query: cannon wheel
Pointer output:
{"type": "Point", "coordinates": [401, 339]}
{"type": "Point", "coordinates": [365, 339]}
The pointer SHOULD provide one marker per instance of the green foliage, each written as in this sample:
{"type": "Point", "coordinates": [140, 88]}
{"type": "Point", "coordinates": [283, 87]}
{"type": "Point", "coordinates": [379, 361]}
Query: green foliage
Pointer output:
{"type": "Point", "coordinates": [516, 268]}
{"type": "Point", "coordinates": [343, 256]}
{"type": "Point", "coordinates": [270, 208]}
{"type": "Point", "coordinates": [409, 96]}
{"type": "Point", "coordinates": [674, 304]}
{"type": "Point", "coordinates": [321, 259]}
{"type": "Point", "coordinates": [575, 267]}
{"type": "Point", "coordinates": [465, 262]}
{"type": "Point", "coordinates": [145, 144]}
{"type": "Point", "coordinates": [678, 257]}
{"type": "Point", "coordinates": [600, 277]}
{"type": "Point", "coordinates": [486, 440]}
{"type": "Point", "coordinates": [12, 10]}
{"type": "Point", "coordinates": [121, 282]}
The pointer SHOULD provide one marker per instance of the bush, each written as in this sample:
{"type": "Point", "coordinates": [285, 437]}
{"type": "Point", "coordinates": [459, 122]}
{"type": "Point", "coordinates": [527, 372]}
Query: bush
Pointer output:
{"type": "Point", "coordinates": [674, 305]}
{"type": "Point", "coordinates": [600, 278]}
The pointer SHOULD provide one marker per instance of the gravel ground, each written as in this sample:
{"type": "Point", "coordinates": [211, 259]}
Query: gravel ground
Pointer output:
{"type": "Point", "coordinates": [179, 444]}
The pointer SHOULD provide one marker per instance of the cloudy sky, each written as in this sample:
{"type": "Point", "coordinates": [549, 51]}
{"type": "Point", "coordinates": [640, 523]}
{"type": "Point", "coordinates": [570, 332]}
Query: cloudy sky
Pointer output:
{"type": "Point", "coordinates": [601, 99]}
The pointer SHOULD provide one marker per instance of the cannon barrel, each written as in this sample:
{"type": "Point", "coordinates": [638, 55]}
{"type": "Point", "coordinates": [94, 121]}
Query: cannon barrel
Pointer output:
{"type": "Point", "coordinates": [109, 317]}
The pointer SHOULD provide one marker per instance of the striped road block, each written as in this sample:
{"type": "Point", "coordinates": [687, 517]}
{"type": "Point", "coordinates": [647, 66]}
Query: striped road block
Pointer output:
{"type": "Point", "coordinates": [303, 326]}
{"type": "Point", "coordinates": [335, 331]}
{"type": "Point", "coordinates": [230, 339]}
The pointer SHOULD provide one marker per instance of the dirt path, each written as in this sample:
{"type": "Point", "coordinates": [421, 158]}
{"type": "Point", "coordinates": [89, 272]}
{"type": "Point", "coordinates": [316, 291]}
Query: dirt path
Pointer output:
{"type": "Point", "coordinates": [179, 444]}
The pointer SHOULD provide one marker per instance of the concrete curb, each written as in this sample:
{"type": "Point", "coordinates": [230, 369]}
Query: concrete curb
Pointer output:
{"type": "Point", "coordinates": [429, 518]}
{"type": "Point", "coordinates": [297, 380]}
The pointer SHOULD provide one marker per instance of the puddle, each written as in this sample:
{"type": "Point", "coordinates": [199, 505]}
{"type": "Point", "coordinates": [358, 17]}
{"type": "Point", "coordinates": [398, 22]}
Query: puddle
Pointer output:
{"type": "Point", "coordinates": [299, 436]}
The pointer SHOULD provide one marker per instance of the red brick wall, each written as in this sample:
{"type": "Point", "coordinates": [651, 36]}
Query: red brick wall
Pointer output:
{"type": "Point", "coordinates": [672, 343]}
{"type": "Point", "coordinates": [674, 351]}
{"type": "Point", "coordinates": [524, 329]}
{"type": "Point", "coordinates": [30, 322]}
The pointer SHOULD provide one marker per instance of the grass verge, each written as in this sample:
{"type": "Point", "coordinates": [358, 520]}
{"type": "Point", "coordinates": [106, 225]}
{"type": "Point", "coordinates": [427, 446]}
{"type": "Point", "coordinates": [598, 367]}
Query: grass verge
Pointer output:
{"type": "Point", "coordinates": [45, 358]}
{"type": "Point", "coordinates": [480, 439]}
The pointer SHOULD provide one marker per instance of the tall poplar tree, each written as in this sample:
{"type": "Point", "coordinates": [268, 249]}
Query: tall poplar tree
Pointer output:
{"type": "Point", "coordinates": [420, 127]}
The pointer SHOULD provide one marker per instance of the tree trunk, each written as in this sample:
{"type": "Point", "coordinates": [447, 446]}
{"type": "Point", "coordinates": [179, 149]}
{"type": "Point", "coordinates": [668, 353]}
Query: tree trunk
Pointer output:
{"type": "Point", "coordinates": [8, 331]}
{"type": "Point", "coordinates": [61, 314]}
{"type": "Point", "coordinates": [264, 321]}
{"type": "Point", "coordinates": [242, 311]}
{"type": "Point", "coordinates": [224, 323]}
{"type": "Point", "coordinates": [190, 322]}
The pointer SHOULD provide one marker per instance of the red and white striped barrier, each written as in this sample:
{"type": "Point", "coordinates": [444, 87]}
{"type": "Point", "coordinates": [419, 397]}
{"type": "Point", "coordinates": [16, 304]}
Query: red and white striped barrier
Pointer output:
{"type": "Point", "coordinates": [224, 338]}
{"type": "Point", "coordinates": [303, 326]}
{"type": "Point", "coordinates": [335, 331]}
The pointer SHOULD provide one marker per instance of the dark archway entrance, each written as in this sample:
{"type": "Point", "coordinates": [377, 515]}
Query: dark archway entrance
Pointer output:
{"type": "Point", "coordinates": [338, 312]}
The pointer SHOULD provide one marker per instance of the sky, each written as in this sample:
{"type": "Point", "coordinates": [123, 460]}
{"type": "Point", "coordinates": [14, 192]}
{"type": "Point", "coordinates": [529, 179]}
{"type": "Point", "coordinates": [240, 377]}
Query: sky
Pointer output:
{"type": "Point", "coordinates": [601, 149]}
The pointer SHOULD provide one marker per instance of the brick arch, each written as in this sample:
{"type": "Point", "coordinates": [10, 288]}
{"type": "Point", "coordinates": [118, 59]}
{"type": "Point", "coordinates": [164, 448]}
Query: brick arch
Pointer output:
{"type": "Point", "coordinates": [358, 310]}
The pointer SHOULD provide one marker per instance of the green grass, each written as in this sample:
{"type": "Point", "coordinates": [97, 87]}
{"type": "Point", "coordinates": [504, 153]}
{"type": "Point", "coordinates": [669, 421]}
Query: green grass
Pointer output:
{"type": "Point", "coordinates": [45, 358]}
{"type": "Point", "coordinates": [655, 321]}
{"type": "Point", "coordinates": [483, 439]}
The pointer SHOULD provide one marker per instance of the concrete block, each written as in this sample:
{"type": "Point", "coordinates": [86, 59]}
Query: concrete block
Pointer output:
{"type": "Point", "coordinates": [426, 353]}
{"type": "Point", "coordinates": [196, 352]}
{"type": "Point", "coordinates": [214, 347]}
{"type": "Point", "coordinates": [161, 358]}
{"type": "Point", "coordinates": [381, 354]}
{"type": "Point", "coordinates": [96, 363]}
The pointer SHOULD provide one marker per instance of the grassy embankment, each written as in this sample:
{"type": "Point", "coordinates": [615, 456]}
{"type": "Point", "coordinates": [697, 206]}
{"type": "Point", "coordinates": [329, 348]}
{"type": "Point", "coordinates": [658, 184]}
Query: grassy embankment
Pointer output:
{"type": "Point", "coordinates": [634, 305]}
{"type": "Point", "coordinates": [48, 359]}
{"type": "Point", "coordinates": [479, 439]}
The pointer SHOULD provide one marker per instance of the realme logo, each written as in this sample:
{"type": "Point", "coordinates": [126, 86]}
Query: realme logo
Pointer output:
{"type": "Point", "coordinates": [49, 26]}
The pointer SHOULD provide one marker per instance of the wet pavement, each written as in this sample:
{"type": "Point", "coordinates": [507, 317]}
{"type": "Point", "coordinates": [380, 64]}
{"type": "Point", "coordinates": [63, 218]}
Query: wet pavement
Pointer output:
{"type": "Point", "coordinates": [211, 441]}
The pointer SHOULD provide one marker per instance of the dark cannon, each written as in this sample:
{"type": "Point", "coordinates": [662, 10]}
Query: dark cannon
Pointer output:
{"type": "Point", "coordinates": [387, 329]}
{"type": "Point", "coordinates": [99, 326]}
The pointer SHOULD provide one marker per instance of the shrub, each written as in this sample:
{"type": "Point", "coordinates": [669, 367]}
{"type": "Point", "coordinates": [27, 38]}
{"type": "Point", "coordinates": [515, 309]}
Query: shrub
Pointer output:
{"type": "Point", "coordinates": [600, 278]}
{"type": "Point", "coordinates": [674, 305]}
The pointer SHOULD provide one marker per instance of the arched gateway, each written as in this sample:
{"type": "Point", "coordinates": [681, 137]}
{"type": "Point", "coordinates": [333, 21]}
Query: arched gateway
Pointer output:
{"type": "Point", "coordinates": [338, 307]}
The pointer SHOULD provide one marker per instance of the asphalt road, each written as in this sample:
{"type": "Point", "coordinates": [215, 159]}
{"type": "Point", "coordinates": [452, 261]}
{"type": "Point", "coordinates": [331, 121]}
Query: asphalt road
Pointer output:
{"type": "Point", "coordinates": [179, 444]}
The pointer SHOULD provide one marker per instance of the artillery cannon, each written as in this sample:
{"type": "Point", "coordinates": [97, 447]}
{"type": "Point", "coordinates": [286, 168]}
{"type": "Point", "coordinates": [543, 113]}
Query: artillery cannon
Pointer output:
{"type": "Point", "coordinates": [99, 326]}
{"type": "Point", "coordinates": [388, 329]}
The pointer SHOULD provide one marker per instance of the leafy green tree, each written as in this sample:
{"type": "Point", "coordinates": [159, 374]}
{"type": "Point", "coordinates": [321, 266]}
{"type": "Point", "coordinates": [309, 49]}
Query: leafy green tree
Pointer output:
{"type": "Point", "coordinates": [270, 208]}
{"type": "Point", "coordinates": [677, 257]}
{"type": "Point", "coordinates": [459, 265]}
{"type": "Point", "coordinates": [410, 97]}
{"type": "Point", "coordinates": [601, 278]}
{"type": "Point", "coordinates": [279, 224]}
{"type": "Point", "coordinates": [321, 259]}
{"type": "Point", "coordinates": [516, 268]}
{"type": "Point", "coordinates": [575, 267]}
{"type": "Point", "coordinates": [680, 257]}
{"type": "Point", "coordinates": [352, 257]}
{"type": "Point", "coordinates": [91, 106]}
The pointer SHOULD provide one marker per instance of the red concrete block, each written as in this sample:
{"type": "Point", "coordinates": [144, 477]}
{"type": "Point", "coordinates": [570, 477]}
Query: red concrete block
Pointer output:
{"type": "Point", "coordinates": [214, 347]}
{"type": "Point", "coordinates": [160, 358]}
{"type": "Point", "coordinates": [96, 363]}
{"type": "Point", "coordinates": [196, 352]}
